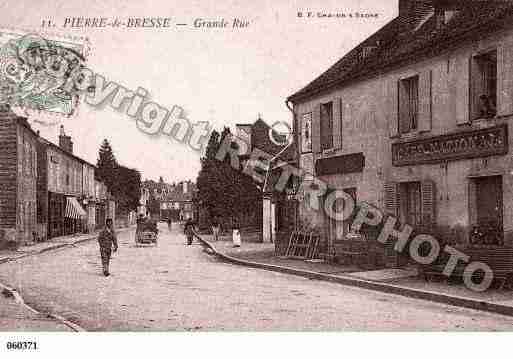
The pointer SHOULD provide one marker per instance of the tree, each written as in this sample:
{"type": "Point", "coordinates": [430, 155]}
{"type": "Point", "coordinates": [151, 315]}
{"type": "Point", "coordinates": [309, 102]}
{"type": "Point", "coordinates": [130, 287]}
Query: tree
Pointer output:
{"type": "Point", "coordinates": [107, 166]}
{"type": "Point", "coordinates": [128, 192]}
{"type": "Point", "coordinates": [124, 183]}
{"type": "Point", "coordinates": [207, 193]}
{"type": "Point", "coordinates": [224, 191]}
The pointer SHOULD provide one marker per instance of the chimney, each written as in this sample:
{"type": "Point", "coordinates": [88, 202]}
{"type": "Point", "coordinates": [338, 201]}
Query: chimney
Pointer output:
{"type": "Point", "coordinates": [65, 141]}
{"type": "Point", "coordinates": [439, 17]}
{"type": "Point", "coordinates": [405, 7]}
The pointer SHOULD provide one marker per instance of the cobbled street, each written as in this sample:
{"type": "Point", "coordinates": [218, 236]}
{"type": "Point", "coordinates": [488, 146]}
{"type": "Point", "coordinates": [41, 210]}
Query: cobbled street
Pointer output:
{"type": "Point", "coordinates": [178, 287]}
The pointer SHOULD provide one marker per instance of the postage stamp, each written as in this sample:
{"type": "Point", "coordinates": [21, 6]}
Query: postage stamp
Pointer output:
{"type": "Point", "coordinates": [38, 73]}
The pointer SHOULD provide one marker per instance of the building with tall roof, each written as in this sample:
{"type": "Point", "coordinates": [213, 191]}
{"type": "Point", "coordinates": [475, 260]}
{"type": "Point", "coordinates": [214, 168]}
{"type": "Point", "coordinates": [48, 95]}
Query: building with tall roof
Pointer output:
{"type": "Point", "coordinates": [416, 120]}
{"type": "Point", "coordinates": [70, 197]}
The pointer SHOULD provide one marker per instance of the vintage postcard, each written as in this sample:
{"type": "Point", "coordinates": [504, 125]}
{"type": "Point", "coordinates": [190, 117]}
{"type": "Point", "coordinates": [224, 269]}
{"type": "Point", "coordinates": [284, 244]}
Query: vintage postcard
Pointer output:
{"type": "Point", "coordinates": [220, 166]}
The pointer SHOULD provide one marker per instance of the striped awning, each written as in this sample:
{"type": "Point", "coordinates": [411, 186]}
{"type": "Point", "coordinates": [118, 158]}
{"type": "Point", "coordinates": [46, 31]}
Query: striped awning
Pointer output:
{"type": "Point", "coordinates": [74, 209]}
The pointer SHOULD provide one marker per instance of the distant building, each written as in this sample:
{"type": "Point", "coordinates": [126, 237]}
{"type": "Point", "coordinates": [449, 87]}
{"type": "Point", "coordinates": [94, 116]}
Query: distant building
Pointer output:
{"type": "Point", "coordinates": [273, 212]}
{"type": "Point", "coordinates": [174, 201]}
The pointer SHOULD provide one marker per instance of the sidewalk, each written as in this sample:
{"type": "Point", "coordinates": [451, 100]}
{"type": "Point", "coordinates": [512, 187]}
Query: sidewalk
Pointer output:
{"type": "Point", "coordinates": [51, 244]}
{"type": "Point", "coordinates": [14, 314]}
{"type": "Point", "coordinates": [397, 281]}
{"type": "Point", "coordinates": [16, 317]}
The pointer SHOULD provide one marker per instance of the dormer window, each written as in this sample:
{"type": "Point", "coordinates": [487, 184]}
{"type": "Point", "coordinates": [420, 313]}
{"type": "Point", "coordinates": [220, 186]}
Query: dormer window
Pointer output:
{"type": "Point", "coordinates": [365, 52]}
{"type": "Point", "coordinates": [439, 18]}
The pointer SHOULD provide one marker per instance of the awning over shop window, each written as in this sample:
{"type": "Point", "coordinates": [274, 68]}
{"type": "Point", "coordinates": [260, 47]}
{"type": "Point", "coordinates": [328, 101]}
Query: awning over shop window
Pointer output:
{"type": "Point", "coordinates": [74, 209]}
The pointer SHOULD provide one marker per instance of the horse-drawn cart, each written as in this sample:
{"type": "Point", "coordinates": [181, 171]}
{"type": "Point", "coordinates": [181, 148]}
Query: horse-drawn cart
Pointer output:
{"type": "Point", "coordinates": [146, 233]}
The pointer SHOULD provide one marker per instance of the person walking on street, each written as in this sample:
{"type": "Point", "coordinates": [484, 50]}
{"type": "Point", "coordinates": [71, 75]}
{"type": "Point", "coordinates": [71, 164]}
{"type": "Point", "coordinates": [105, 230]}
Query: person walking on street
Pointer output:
{"type": "Point", "coordinates": [169, 223]}
{"type": "Point", "coordinates": [108, 243]}
{"type": "Point", "coordinates": [139, 225]}
{"type": "Point", "coordinates": [215, 229]}
{"type": "Point", "coordinates": [189, 231]}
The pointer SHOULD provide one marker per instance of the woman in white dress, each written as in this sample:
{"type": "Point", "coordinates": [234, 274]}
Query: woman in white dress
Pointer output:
{"type": "Point", "coordinates": [236, 235]}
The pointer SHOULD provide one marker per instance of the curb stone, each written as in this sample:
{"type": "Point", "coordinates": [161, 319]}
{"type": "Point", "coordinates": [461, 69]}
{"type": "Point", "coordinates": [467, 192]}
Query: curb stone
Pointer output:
{"type": "Point", "coordinates": [376, 286]}
{"type": "Point", "coordinates": [19, 299]}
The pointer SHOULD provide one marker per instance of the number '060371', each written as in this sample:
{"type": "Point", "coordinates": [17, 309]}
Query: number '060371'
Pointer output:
{"type": "Point", "coordinates": [21, 346]}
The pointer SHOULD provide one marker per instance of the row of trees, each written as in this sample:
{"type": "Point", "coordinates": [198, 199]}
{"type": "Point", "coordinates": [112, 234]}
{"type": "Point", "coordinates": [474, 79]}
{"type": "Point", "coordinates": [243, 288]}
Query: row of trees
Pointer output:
{"type": "Point", "coordinates": [124, 183]}
{"type": "Point", "coordinates": [224, 192]}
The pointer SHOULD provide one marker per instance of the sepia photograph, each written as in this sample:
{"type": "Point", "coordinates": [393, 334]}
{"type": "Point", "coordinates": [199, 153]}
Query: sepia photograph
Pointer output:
{"type": "Point", "coordinates": [239, 178]}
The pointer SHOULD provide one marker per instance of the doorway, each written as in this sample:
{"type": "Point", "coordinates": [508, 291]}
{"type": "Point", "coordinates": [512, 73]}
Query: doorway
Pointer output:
{"type": "Point", "coordinates": [337, 230]}
{"type": "Point", "coordinates": [410, 207]}
{"type": "Point", "coordinates": [489, 204]}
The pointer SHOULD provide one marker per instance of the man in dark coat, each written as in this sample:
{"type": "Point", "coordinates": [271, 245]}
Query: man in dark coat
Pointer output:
{"type": "Point", "coordinates": [108, 242]}
{"type": "Point", "coordinates": [189, 231]}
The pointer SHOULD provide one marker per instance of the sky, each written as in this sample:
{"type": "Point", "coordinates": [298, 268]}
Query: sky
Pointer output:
{"type": "Point", "coordinates": [223, 76]}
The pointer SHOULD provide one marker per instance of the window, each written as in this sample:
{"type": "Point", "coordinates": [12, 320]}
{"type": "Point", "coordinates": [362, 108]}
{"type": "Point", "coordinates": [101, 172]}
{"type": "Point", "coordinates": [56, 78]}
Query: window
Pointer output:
{"type": "Point", "coordinates": [67, 173]}
{"type": "Point", "coordinates": [365, 52]}
{"type": "Point", "coordinates": [486, 210]}
{"type": "Point", "coordinates": [483, 85]}
{"type": "Point", "coordinates": [326, 126]}
{"type": "Point", "coordinates": [306, 133]}
{"type": "Point", "coordinates": [411, 203]}
{"type": "Point", "coordinates": [408, 104]}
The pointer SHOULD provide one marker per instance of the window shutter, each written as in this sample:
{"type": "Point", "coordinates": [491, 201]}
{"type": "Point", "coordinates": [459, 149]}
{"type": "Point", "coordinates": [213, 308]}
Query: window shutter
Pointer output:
{"type": "Point", "coordinates": [316, 129]}
{"type": "Point", "coordinates": [476, 81]}
{"type": "Point", "coordinates": [404, 118]}
{"type": "Point", "coordinates": [425, 101]}
{"type": "Point", "coordinates": [392, 198]}
{"type": "Point", "coordinates": [505, 80]}
{"type": "Point", "coordinates": [461, 89]}
{"type": "Point", "coordinates": [337, 123]}
{"type": "Point", "coordinates": [391, 107]}
{"type": "Point", "coordinates": [327, 126]}
{"type": "Point", "coordinates": [428, 198]}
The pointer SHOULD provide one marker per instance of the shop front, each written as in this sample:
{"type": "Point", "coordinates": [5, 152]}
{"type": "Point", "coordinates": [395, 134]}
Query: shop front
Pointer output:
{"type": "Point", "coordinates": [56, 211]}
{"type": "Point", "coordinates": [456, 186]}
{"type": "Point", "coordinates": [75, 217]}
{"type": "Point", "coordinates": [66, 215]}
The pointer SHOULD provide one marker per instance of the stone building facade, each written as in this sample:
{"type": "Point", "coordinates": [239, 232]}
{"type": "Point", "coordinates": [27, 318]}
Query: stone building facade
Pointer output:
{"type": "Point", "coordinates": [416, 120]}
{"type": "Point", "coordinates": [68, 199]}
{"type": "Point", "coordinates": [18, 176]}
